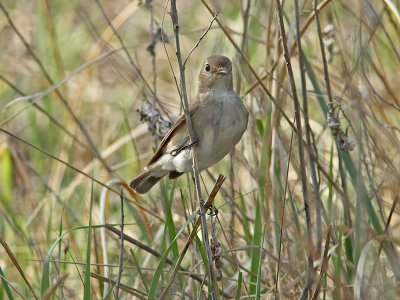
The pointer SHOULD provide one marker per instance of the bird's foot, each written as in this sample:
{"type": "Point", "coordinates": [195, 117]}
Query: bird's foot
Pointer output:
{"type": "Point", "coordinates": [184, 147]}
{"type": "Point", "coordinates": [212, 211]}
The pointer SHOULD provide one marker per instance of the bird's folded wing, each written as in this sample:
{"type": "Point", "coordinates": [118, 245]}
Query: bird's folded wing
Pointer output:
{"type": "Point", "coordinates": [176, 137]}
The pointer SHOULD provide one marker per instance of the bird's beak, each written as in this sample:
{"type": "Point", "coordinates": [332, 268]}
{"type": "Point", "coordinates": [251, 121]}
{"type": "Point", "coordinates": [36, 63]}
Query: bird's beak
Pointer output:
{"type": "Point", "coordinates": [222, 71]}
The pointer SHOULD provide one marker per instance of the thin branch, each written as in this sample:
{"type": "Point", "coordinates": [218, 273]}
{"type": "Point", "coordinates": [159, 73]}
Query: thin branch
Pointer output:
{"type": "Point", "coordinates": [324, 265]}
{"type": "Point", "coordinates": [303, 172]}
{"type": "Point", "coordinates": [207, 205]}
{"type": "Point", "coordinates": [58, 93]}
{"type": "Point", "coordinates": [137, 293]}
{"type": "Point", "coordinates": [42, 110]}
{"type": "Point", "coordinates": [195, 173]}
{"type": "Point", "coordinates": [79, 171]}
{"type": "Point", "coordinates": [252, 70]}
{"type": "Point", "coordinates": [121, 246]}
{"type": "Point", "coordinates": [138, 71]}
{"type": "Point", "coordinates": [312, 154]}
{"type": "Point", "coordinates": [200, 38]}
{"type": "Point", "coordinates": [322, 47]}
{"type": "Point", "coordinates": [151, 50]}
{"type": "Point", "coordinates": [282, 217]}
{"type": "Point", "coordinates": [17, 265]}
{"type": "Point", "coordinates": [35, 97]}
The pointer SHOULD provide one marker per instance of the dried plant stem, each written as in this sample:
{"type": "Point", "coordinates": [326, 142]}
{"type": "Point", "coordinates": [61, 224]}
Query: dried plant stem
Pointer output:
{"type": "Point", "coordinates": [315, 183]}
{"type": "Point", "coordinates": [58, 93]}
{"type": "Point", "coordinates": [42, 110]}
{"type": "Point", "coordinates": [150, 250]}
{"type": "Point", "coordinates": [135, 292]}
{"type": "Point", "coordinates": [322, 47]}
{"type": "Point", "coordinates": [195, 173]}
{"type": "Point", "coordinates": [283, 206]}
{"type": "Point", "coordinates": [207, 205]}
{"type": "Point", "coordinates": [313, 155]}
{"type": "Point", "coordinates": [252, 70]}
{"type": "Point", "coordinates": [121, 246]}
{"type": "Point", "coordinates": [17, 265]}
{"type": "Point", "coordinates": [324, 265]}
{"type": "Point", "coordinates": [200, 38]}
{"type": "Point", "coordinates": [153, 54]}
{"type": "Point", "coordinates": [303, 173]}
{"type": "Point", "coordinates": [79, 171]}
{"type": "Point", "coordinates": [137, 69]}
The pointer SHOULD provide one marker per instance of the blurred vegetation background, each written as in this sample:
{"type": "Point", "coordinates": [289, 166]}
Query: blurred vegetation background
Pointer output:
{"type": "Point", "coordinates": [65, 152]}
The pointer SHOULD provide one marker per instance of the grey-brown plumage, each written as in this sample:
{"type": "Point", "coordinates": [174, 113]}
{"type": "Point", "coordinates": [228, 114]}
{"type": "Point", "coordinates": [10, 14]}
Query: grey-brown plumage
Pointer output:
{"type": "Point", "coordinates": [219, 120]}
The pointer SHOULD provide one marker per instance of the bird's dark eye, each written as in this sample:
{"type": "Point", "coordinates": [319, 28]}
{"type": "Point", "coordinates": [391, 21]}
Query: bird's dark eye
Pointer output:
{"type": "Point", "coordinates": [207, 68]}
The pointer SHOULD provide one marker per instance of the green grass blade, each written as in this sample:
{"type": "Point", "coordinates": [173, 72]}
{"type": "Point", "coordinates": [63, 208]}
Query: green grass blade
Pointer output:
{"type": "Point", "coordinates": [348, 162]}
{"type": "Point", "coordinates": [169, 221]}
{"type": "Point", "coordinates": [239, 286]}
{"type": "Point", "coordinates": [258, 286]}
{"type": "Point", "coordinates": [6, 177]}
{"type": "Point", "coordinates": [255, 253]}
{"type": "Point", "coordinates": [260, 127]}
{"type": "Point", "coordinates": [45, 283]}
{"type": "Point", "coordinates": [86, 291]}
{"type": "Point", "coordinates": [157, 274]}
{"type": "Point", "coordinates": [330, 185]}
{"type": "Point", "coordinates": [314, 82]}
{"type": "Point", "coordinates": [139, 269]}
{"type": "Point", "coordinates": [337, 268]}
{"type": "Point", "coordinates": [46, 270]}
{"type": "Point", "coordinates": [244, 219]}
{"type": "Point", "coordinates": [5, 285]}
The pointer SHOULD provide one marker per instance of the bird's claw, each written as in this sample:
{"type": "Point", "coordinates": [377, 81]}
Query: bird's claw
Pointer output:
{"type": "Point", "coordinates": [212, 211]}
{"type": "Point", "coordinates": [175, 152]}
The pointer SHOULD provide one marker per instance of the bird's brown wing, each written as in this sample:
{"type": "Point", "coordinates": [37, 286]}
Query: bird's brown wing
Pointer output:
{"type": "Point", "coordinates": [176, 137]}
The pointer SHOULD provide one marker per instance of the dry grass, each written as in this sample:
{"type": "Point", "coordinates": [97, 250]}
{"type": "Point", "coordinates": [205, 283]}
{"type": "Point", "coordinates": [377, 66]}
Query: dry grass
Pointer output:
{"type": "Point", "coordinates": [76, 143]}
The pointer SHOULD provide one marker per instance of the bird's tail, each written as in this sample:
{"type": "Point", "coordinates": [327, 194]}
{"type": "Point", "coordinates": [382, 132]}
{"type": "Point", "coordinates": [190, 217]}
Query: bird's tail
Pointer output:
{"type": "Point", "coordinates": [144, 182]}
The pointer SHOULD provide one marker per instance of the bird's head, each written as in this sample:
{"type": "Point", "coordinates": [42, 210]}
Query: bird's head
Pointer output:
{"type": "Point", "coordinates": [216, 74]}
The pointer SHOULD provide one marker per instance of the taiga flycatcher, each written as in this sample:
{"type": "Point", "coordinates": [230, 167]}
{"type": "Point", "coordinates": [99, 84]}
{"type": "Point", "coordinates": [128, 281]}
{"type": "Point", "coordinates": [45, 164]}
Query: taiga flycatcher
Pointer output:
{"type": "Point", "coordinates": [219, 120]}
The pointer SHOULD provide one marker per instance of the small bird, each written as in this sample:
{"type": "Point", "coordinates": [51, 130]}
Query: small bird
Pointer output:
{"type": "Point", "coordinates": [219, 119]}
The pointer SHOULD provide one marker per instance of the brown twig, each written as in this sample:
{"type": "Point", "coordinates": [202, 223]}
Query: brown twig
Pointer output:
{"type": "Point", "coordinates": [207, 205]}
{"type": "Point", "coordinates": [303, 172]}
{"type": "Point", "coordinates": [17, 265]}
{"type": "Point", "coordinates": [199, 40]}
{"type": "Point", "coordinates": [136, 242]}
{"type": "Point", "coordinates": [153, 52]}
{"type": "Point", "coordinates": [42, 110]}
{"type": "Point", "coordinates": [282, 218]}
{"type": "Point", "coordinates": [137, 70]}
{"type": "Point", "coordinates": [79, 171]}
{"type": "Point", "coordinates": [121, 246]}
{"type": "Point", "coordinates": [148, 249]}
{"type": "Point", "coordinates": [315, 182]}
{"type": "Point", "coordinates": [310, 146]}
{"type": "Point", "coordinates": [253, 71]}
{"type": "Point", "coordinates": [58, 93]}
{"type": "Point", "coordinates": [60, 280]}
{"type": "Point", "coordinates": [137, 293]}
{"type": "Point", "coordinates": [324, 265]}
{"type": "Point", "coordinates": [177, 265]}
{"type": "Point", "coordinates": [195, 173]}
{"type": "Point", "coordinates": [322, 47]}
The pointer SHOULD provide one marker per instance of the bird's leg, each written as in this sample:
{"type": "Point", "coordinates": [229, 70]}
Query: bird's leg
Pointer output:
{"type": "Point", "coordinates": [212, 211]}
{"type": "Point", "coordinates": [175, 152]}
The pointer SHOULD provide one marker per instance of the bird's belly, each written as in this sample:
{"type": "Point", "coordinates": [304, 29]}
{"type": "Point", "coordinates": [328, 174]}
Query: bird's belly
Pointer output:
{"type": "Point", "coordinates": [217, 142]}
{"type": "Point", "coordinates": [217, 134]}
{"type": "Point", "coordinates": [212, 147]}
